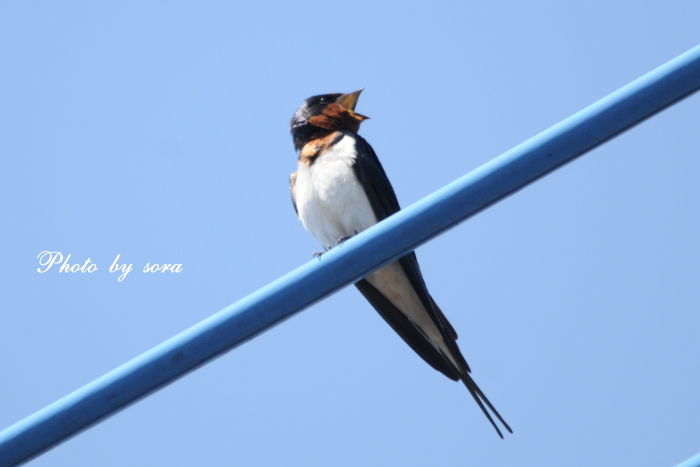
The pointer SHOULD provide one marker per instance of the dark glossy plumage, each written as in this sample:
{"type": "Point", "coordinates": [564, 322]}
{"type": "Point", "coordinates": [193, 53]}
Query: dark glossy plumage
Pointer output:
{"type": "Point", "coordinates": [321, 119]}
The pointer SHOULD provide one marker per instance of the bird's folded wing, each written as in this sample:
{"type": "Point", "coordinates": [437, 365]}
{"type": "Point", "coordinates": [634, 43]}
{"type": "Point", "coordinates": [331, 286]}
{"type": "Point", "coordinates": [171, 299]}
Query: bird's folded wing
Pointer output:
{"type": "Point", "coordinates": [406, 329]}
{"type": "Point", "coordinates": [371, 175]}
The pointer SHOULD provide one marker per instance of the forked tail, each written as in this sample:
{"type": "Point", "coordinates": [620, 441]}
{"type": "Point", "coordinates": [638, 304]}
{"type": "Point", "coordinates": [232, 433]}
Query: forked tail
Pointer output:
{"type": "Point", "coordinates": [479, 396]}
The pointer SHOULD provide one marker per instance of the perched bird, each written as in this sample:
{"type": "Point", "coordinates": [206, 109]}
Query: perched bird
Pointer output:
{"type": "Point", "coordinates": [339, 190]}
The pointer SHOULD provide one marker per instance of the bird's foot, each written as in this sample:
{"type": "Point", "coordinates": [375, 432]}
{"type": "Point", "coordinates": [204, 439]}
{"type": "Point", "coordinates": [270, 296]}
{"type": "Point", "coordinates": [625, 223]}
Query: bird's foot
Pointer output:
{"type": "Point", "coordinates": [342, 240]}
{"type": "Point", "coordinates": [317, 254]}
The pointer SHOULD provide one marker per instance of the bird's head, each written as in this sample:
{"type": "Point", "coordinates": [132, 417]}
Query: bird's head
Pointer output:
{"type": "Point", "coordinates": [320, 115]}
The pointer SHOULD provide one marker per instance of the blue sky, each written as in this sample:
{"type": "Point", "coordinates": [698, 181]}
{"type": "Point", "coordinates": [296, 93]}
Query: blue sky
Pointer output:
{"type": "Point", "coordinates": [159, 132]}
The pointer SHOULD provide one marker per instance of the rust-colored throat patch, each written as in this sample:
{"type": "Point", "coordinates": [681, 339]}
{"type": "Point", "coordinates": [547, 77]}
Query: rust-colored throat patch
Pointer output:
{"type": "Point", "coordinates": [336, 118]}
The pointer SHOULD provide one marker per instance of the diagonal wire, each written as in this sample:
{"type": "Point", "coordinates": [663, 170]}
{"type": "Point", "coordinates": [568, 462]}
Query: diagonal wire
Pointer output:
{"type": "Point", "coordinates": [362, 254]}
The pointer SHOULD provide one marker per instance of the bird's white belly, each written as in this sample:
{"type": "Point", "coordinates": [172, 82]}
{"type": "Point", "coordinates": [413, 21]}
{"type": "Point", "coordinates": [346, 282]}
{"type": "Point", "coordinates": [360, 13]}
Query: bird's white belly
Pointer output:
{"type": "Point", "coordinates": [331, 201]}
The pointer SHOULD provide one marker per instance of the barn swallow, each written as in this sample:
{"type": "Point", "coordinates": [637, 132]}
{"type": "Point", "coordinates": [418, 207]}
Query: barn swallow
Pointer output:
{"type": "Point", "coordinates": [341, 189]}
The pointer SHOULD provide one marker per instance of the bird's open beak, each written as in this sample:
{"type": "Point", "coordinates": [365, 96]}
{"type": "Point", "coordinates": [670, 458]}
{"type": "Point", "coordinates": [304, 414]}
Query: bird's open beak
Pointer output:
{"type": "Point", "coordinates": [349, 101]}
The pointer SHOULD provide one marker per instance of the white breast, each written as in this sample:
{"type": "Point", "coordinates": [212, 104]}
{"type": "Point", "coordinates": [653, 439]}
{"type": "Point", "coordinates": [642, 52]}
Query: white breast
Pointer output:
{"type": "Point", "coordinates": [329, 198]}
